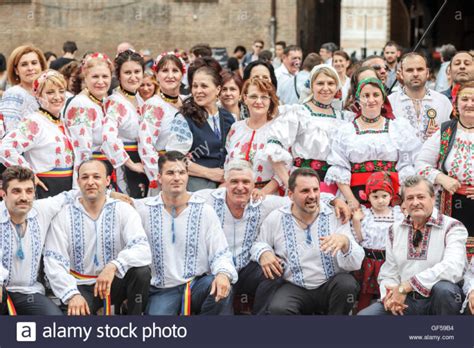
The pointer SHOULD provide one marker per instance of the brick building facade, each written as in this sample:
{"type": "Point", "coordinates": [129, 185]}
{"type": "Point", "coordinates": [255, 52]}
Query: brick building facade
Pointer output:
{"type": "Point", "coordinates": [155, 24]}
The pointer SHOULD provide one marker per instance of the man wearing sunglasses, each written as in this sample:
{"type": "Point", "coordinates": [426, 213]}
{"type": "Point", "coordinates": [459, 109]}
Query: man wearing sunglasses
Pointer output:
{"type": "Point", "coordinates": [424, 108]}
{"type": "Point", "coordinates": [378, 64]}
{"type": "Point", "coordinates": [425, 258]}
{"type": "Point", "coordinates": [257, 47]}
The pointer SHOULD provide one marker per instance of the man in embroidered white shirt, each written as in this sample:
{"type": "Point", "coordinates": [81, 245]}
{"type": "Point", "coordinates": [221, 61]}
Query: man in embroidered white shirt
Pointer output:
{"type": "Point", "coordinates": [426, 109]}
{"type": "Point", "coordinates": [425, 258]}
{"type": "Point", "coordinates": [97, 253]}
{"type": "Point", "coordinates": [306, 244]}
{"type": "Point", "coordinates": [241, 217]}
{"type": "Point", "coordinates": [24, 223]}
{"type": "Point", "coordinates": [192, 268]}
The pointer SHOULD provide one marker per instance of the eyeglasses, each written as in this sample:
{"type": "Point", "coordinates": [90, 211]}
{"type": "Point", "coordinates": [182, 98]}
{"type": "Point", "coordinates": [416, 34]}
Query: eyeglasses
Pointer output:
{"type": "Point", "coordinates": [253, 98]}
{"type": "Point", "coordinates": [417, 237]}
{"type": "Point", "coordinates": [262, 77]}
{"type": "Point", "coordinates": [258, 46]}
{"type": "Point", "coordinates": [378, 67]}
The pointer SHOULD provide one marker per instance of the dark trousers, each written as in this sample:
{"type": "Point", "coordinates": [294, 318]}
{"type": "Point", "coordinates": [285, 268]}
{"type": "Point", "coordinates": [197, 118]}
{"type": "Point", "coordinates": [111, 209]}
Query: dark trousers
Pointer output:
{"type": "Point", "coordinates": [133, 287]}
{"type": "Point", "coordinates": [446, 299]}
{"type": "Point", "coordinates": [335, 297]}
{"type": "Point", "coordinates": [252, 282]}
{"type": "Point", "coordinates": [29, 304]}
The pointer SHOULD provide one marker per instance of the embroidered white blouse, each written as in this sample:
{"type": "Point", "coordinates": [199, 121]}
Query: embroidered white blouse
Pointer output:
{"type": "Point", "coordinates": [154, 132]}
{"type": "Point", "coordinates": [249, 144]}
{"type": "Point", "coordinates": [396, 142]}
{"type": "Point", "coordinates": [459, 162]}
{"type": "Point", "coordinates": [305, 265]}
{"type": "Point", "coordinates": [79, 243]}
{"type": "Point", "coordinates": [15, 104]}
{"type": "Point", "coordinates": [375, 228]}
{"type": "Point", "coordinates": [121, 123]}
{"type": "Point", "coordinates": [307, 134]}
{"type": "Point", "coordinates": [84, 119]}
{"type": "Point", "coordinates": [468, 286]}
{"type": "Point", "coordinates": [37, 144]}
{"type": "Point", "coordinates": [187, 246]}
{"type": "Point", "coordinates": [442, 255]}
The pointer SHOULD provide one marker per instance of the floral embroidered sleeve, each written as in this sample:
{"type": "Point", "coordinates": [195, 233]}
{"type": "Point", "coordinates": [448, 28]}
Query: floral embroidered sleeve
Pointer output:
{"type": "Point", "coordinates": [2, 127]}
{"type": "Point", "coordinates": [112, 145]}
{"type": "Point", "coordinates": [147, 138]}
{"type": "Point", "coordinates": [79, 121]}
{"type": "Point", "coordinates": [181, 138]}
{"type": "Point", "coordinates": [426, 162]}
{"type": "Point", "coordinates": [16, 142]}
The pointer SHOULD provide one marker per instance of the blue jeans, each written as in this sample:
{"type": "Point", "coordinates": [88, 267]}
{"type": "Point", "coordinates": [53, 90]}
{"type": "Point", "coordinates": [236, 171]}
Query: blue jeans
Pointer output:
{"type": "Point", "coordinates": [446, 299]}
{"type": "Point", "coordinates": [168, 301]}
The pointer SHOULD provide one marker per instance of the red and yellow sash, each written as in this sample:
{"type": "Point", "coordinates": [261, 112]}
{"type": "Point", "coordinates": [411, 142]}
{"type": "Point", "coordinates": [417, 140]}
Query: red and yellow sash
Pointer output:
{"type": "Point", "coordinates": [107, 300]}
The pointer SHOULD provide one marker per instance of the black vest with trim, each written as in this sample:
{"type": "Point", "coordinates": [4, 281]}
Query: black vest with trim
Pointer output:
{"type": "Point", "coordinates": [447, 137]}
{"type": "Point", "coordinates": [207, 149]}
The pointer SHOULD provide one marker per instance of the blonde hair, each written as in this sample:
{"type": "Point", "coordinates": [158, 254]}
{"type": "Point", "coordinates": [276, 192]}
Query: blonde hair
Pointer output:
{"type": "Point", "coordinates": [49, 77]}
{"type": "Point", "coordinates": [315, 72]}
{"type": "Point", "coordinates": [15, 57]}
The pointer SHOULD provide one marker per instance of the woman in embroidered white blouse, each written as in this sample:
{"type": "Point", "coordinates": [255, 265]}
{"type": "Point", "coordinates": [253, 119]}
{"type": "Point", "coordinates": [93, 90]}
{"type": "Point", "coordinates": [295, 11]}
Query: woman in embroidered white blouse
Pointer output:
{"type": "Point", "coordinates": [301, 136]}
{"type": "Point", "coordinates": [40, 142]}
{"type": "Point", "coordinates": [447, 159]}
{"type": "Point", "coordinates": [247, 138]}
{"type": "Point", "coordinates": [375, 141]}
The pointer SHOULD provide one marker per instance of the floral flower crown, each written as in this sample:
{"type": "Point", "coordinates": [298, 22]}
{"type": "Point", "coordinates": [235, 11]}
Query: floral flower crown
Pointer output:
{"type": "Point", "coordinates": [169, 53]}
{"type": "Point", "coordinates": [96, 55]}
{"type": "Point", "coordinates": [44, 76]}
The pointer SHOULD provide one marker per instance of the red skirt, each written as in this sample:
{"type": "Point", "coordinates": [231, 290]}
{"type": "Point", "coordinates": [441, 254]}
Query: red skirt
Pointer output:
{"type": "Point", "coordinates": [368, 274]}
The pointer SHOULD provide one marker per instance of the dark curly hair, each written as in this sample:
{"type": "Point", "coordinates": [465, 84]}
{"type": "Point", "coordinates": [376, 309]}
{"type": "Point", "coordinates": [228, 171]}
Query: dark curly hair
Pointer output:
{"type": "Point", "coordinates": [70, 69]}
{"type": "Point", "coordinates": [127, 56]}
{"type": "Point", "coordinates": [190, 108]}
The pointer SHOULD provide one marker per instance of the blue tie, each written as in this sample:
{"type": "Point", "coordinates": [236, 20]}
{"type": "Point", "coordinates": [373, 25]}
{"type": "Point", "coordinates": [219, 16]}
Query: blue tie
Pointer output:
{"type": "Point", "coordinates": [217, 132]}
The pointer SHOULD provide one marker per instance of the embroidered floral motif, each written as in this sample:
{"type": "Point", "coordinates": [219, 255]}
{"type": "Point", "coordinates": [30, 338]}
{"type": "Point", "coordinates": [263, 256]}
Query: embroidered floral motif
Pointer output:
{"type": "Point", "coordinates": [108, 230]}
{"type": "Point", "coordinates": [444, 143]}
{"type": "Point", "coordinates": [462, 164]}
{"type": "Point", "coordinates": [36, 249]}
{"type": "Point", "coordinates": [422, 252]}
{"type": "Point", "coordinates": [371, 131]}
{"type": "Point", "coordinates": [319, 114]}
{"type": "Point", "coordinates": [311, 163]}
{"type": "Point", "coordinates": [155, 216]}
{"type": "Point", "coordinates": [292, 249]}
{"type": "Point", "coordinates": [192, 237]}
{"type": "Point", "coordinates": [373, 166]}
{"type": "Point", "coordinates": [77, 240]}
{"type": "Point", "coordinates": [326, 259]}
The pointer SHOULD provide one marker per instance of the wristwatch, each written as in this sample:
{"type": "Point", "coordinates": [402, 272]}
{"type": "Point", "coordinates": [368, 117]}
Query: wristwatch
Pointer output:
{"type": "Point", "coordinates": [401, 290]}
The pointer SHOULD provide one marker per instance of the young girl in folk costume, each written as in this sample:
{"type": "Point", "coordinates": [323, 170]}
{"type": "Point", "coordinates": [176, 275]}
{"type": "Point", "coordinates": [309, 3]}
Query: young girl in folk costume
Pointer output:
{"type": "Point", "coordinates": [371, 228]}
